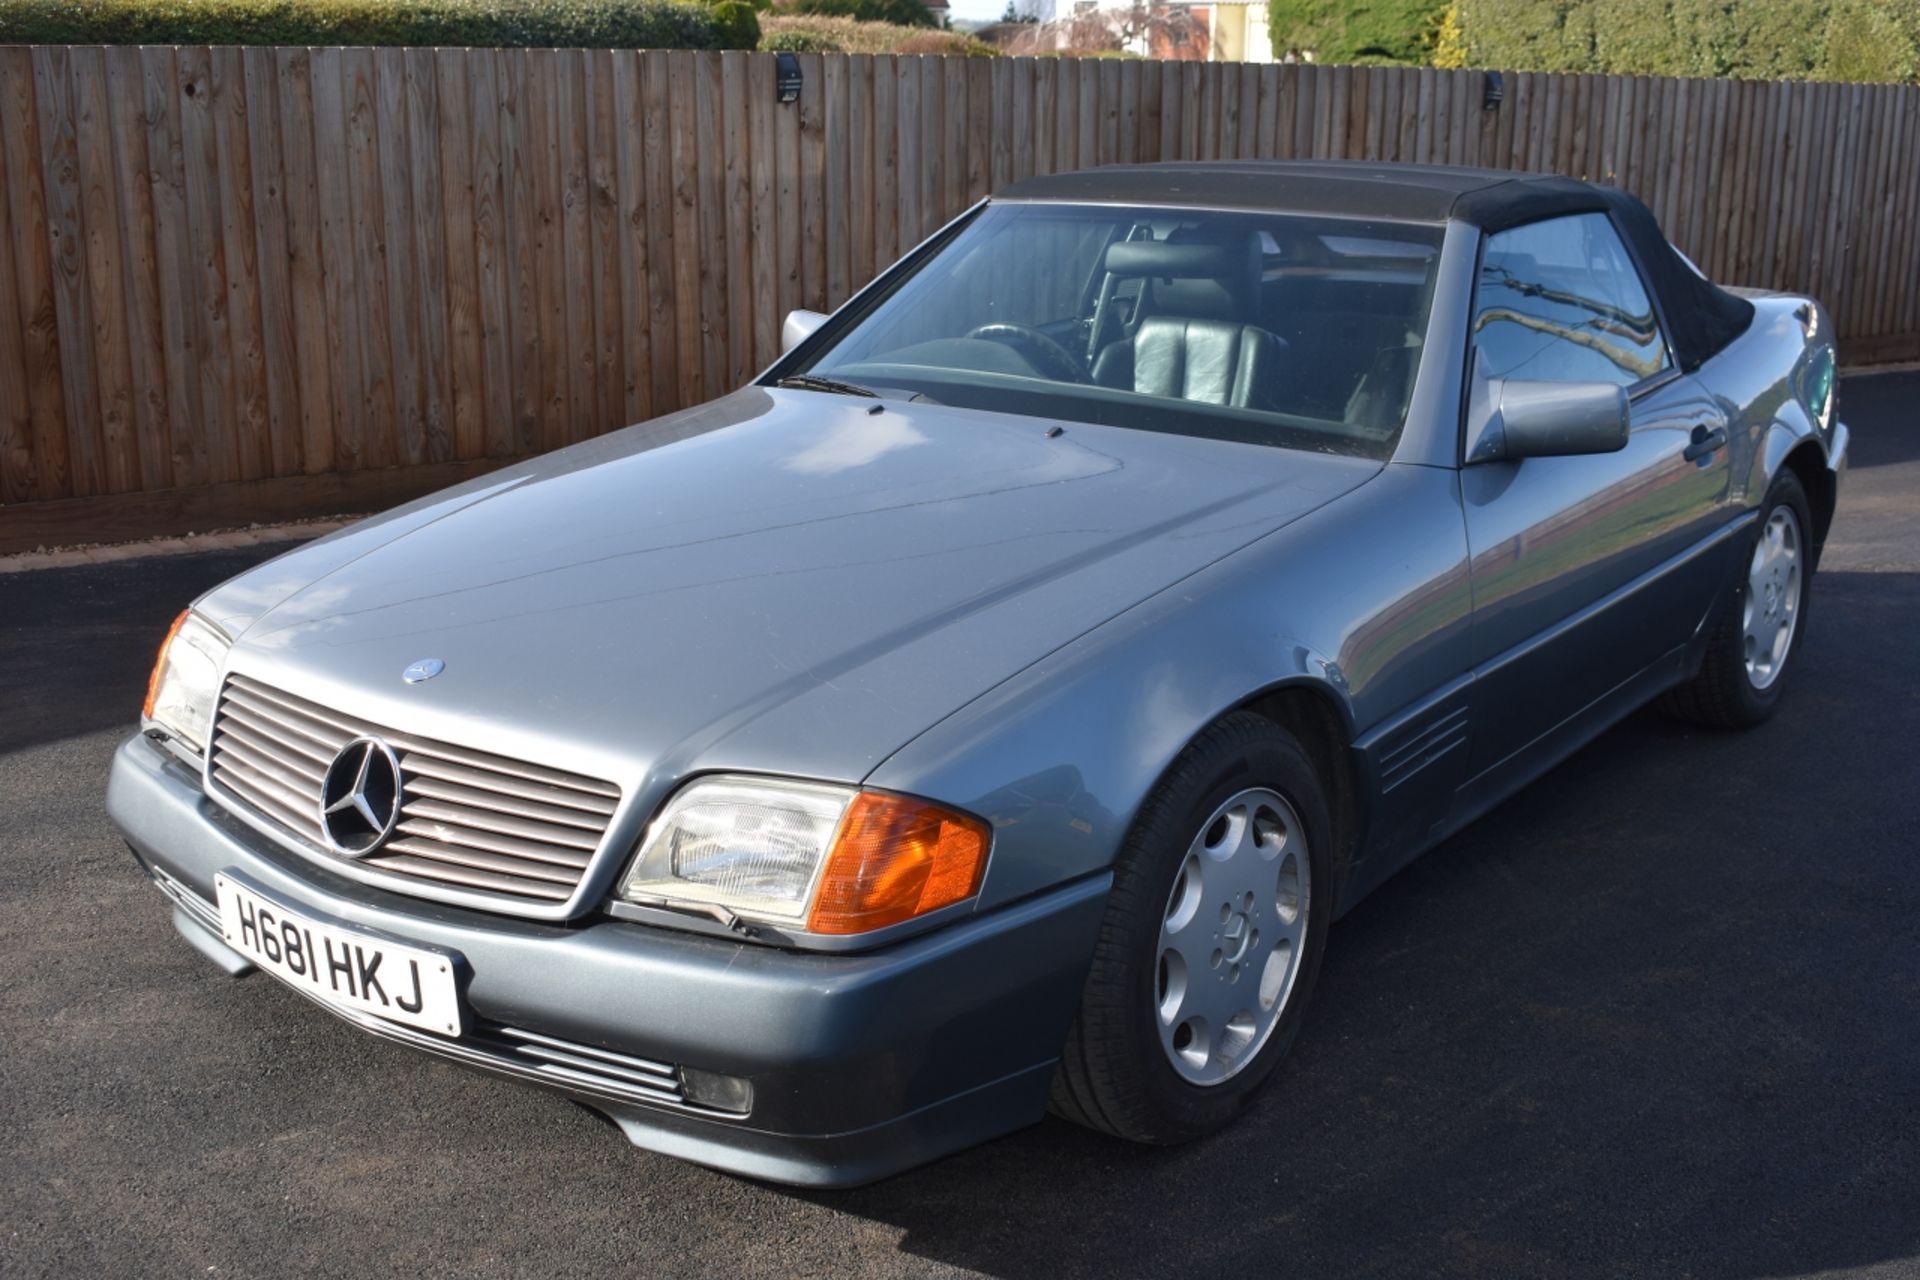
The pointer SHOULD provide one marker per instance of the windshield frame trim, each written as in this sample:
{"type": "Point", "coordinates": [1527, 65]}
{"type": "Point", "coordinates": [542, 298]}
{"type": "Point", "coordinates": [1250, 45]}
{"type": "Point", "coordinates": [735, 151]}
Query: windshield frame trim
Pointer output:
{"type": "Point", "coordinates": [1196, 206]}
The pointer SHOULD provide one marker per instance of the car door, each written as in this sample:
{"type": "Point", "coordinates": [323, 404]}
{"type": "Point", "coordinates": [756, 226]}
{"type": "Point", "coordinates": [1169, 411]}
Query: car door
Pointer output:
{"type": "Point", "coordinates": [1588, 571]}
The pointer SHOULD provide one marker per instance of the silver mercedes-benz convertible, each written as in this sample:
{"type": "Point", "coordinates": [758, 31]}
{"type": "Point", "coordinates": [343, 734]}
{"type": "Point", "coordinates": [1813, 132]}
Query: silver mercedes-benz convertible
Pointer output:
{"type": "Point", "coordinates": [992, 706]}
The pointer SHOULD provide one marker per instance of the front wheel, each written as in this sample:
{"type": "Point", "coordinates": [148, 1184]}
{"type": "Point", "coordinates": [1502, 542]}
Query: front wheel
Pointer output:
{"type": "Point", "coordinates": [1213, 937]}
{"type": "Point", "coordinates": [1747, 660]}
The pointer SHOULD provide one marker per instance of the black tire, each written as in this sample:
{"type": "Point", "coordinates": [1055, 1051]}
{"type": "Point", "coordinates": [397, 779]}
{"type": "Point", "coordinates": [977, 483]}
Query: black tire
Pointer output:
{"type": "Point", "coordinates": [1114, 1074]}
{"type": "Point", "coordinates": [1722, 694]}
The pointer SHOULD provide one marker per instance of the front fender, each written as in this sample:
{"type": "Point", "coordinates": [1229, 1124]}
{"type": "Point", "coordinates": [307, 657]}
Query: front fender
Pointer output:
{"type": "Point", "coordinates": [1365, 602]}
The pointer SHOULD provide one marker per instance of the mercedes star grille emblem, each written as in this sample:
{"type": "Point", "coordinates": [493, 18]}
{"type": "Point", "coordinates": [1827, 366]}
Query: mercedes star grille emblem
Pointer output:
{"type": "Point", "coordinates": [425, 669]}
{"type": "Point", "coordinates": [360, 798]}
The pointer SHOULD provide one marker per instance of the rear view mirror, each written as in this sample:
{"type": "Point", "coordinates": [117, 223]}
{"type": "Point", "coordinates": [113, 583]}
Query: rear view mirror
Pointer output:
{"type": "Point", "coordinates": [798, 328]}
{"type": "Point", "coordinates": [1514, 419]}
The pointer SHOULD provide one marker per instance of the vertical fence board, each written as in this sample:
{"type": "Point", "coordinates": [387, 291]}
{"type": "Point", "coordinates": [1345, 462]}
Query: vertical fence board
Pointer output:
{"type": "Point", "coordinates": [104, 247]}
{"type": "Point", "coordinates": [836, 156]}
{"type": "Point", "coordinates": [311, 372]}
{"type": "Point", "coordinates": [907, 156]}
{"type": "Point", "coordinates": [1906, 227]}
{"type": "Point", "coordinates": [518, 240]}
{"type": "Point", "coordinates": [886, 162]}
{"type": "Point", "coordinates": [1066, 113]}
{"type": "Point", "coordinates": [430, 231]}
{"type": "Point", "coordinates": [860, 163]}
{"type": "Point", "coordinates": [380, 353]}
{"type": "Point", "coordinates": [979, 126]}
{"type": "Point", "coordinates": [931, 149]}
{"type": "Point", "coordinates": [787, 180]}
{"type": "Point", "coordinates": [710, 230]}
{"type": "Point", "coordinates": [492, 245]}
{"type": "Point", "coordinates": [252, 426]}
{"type": "Point", "coordinates": [605, 366]}
{"type": "Point", "coordinates": [737, 199]}
{"type": "Point", "coordinates": [812, 186]}
{"type": "Point", "coordinates": [763, 189]}
{"type": "Point", "coordinates": [18, 480]}
{"type": "Point", "coordinates": [657, 211]}
{"type": "Point", "coordinates": [72, 307]}
{"type": "Point", "coordinates": [459, 114]}
{"type": "Point", "coordinates": [212, 350]}
{"type": "Point", "coordinates": [574, 311]}
{"type": "Point", "coordinates": [1885, 264]}
{"type": "Point", "coordinates": [269, 230]}
{"type": "Point", "coordinates": [35, 300]}
{"type": "Point", "coordinates": [541, 161]}
{"type": "Point", "coordinates": [152, 423]}
{"type": "Point", "coordinates": [630, 261]}
{"type": "Point", "coordinates": [1088, 113]}
{"type": "Point", "coordinates": [1013, 120]}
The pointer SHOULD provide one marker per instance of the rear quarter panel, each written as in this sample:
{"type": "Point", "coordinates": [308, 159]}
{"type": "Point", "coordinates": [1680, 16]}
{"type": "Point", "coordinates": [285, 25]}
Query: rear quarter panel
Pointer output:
{"type": "Point", "coordinates": [1775, 383]}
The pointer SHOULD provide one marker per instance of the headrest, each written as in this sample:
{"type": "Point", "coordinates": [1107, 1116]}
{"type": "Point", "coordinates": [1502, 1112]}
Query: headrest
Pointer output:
{"type": "Point", "coordinates": [1197, 275]}
{"type": "Point", "coordinates": [1170, 261]}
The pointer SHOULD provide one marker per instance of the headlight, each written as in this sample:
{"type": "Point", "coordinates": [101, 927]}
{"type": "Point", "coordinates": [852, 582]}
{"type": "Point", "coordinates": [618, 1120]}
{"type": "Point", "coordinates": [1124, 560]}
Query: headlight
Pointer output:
{"type": "Point", "coordinates": [823, 859]}
{"type": "Point", "coordinates": [185, 679]}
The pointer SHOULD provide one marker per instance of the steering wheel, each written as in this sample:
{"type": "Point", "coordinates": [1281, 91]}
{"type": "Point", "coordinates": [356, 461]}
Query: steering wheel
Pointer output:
{"type": "Point", "coordinates": [1047, 356]}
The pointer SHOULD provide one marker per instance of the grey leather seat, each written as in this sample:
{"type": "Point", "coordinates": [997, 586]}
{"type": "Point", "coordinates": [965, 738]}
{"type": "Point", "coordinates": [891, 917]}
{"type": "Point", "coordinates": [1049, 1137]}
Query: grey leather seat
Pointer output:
{"type": "Point", "coordinates": [1197, 340]}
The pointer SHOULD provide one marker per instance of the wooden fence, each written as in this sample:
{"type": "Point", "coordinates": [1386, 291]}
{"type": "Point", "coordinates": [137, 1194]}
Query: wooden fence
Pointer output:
{"type": "Point", "coordinates": [235, 282]}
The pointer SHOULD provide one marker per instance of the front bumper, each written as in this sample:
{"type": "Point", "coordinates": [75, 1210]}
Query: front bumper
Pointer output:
{"type": "Point", "coordinates": [861, 1065]}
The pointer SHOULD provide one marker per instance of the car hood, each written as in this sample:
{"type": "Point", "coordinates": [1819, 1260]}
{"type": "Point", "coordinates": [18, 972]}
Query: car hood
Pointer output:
{"type": "Point", "coordinates": [782, 581]}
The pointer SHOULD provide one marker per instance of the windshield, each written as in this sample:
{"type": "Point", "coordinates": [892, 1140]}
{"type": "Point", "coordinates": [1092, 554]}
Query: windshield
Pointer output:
{"type": "Point", "coordinates": [1302, 332]}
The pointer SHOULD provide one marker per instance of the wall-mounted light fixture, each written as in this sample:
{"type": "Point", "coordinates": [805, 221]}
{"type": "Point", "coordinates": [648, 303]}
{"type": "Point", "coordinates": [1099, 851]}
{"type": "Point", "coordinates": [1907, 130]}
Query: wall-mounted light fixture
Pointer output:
{"type": "Point", "coordinates": [786, 77]}
{"type": "Point", "coordinates": [1494, 93]}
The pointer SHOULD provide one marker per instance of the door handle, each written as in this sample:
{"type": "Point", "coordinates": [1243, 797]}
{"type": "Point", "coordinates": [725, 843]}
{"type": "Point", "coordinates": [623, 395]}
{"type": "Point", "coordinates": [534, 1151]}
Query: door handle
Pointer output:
{"type": "Point", "coordinates": [1705, 442]}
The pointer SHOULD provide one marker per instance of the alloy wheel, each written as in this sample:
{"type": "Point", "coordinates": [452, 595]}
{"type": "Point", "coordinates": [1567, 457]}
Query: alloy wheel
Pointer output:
{"type": "Point", "coordinates": [1232, 937]}
{"type": "Point", "coordinates": [1772, 605]}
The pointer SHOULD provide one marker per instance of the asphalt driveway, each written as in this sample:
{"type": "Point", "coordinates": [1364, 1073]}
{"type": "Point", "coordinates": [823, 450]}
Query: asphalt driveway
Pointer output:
{"type": "Point", "coordinates": [1659, 1015]}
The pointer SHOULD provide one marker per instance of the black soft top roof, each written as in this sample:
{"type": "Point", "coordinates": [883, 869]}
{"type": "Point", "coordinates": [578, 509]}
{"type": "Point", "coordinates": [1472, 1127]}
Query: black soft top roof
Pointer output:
{"type": "Point", "coordinates": [1701, 317]}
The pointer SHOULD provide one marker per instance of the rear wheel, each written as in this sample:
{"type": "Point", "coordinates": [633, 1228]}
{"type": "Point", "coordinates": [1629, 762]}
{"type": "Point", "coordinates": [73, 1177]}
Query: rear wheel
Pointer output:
{"type": "Point", "coordinates": [1745, 668]}
{"type": "Point", "coordinates": [1212, 940]}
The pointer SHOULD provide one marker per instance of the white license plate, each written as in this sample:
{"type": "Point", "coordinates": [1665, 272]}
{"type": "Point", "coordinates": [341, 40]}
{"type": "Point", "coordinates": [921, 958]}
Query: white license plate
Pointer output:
{"type": "Point", "coordinates": [341, 966]}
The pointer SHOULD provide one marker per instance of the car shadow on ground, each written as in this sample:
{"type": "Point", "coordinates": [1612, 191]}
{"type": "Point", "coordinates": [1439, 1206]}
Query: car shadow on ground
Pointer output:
{"type": "Point", "coordinates": [1659, 1013]}
{"type": "Point", "coordinates": [79, 642]}
{"type": "Point", "coordinates": [1880, 409]}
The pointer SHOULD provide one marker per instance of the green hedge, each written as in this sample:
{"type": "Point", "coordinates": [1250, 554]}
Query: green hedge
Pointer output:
{"type": "Point", "coordinates": [900, 13]}
{"type": "Point", "coordinates": [1382, 31]}
{"type": "Point", "coordinates": [1848, 40]}
{"type": "Point", "coordinates": [798, 42]}
{"type": "Point", "coordinates": [561, 24]}
{"type": "Point", "coordinates": [804, 33]}
{"type": "Point", "coordinates": [738, 24]}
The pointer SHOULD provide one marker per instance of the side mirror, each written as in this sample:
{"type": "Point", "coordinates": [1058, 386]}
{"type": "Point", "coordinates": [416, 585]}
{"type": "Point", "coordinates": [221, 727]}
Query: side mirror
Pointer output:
{"type": "Point", "coordinates": [798, 328]}
{"type": "Point", "coordinates": [1512, 419]}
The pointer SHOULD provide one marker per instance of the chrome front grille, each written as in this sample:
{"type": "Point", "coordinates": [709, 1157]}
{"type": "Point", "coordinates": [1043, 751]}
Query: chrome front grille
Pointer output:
{"type": "Point", "coordinates": [467, 819]}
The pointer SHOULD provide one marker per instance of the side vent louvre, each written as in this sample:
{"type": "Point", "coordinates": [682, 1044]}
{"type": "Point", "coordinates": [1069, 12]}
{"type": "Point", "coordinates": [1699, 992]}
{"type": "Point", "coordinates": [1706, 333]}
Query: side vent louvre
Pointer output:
{"type": "Point", "coordinates": [1420, 744]}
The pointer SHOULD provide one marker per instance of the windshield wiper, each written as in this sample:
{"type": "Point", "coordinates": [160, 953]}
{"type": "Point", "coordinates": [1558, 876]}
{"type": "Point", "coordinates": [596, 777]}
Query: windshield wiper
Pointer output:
{"type": "Point", "coordinates": [814, 382]}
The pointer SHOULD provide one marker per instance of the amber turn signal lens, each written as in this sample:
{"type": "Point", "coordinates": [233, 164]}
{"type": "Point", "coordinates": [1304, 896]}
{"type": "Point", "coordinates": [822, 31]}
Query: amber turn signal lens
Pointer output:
{"type": "Point", "coordinates": [160, 665]}
{"type": "Point", "coordinates": [895, 858]}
